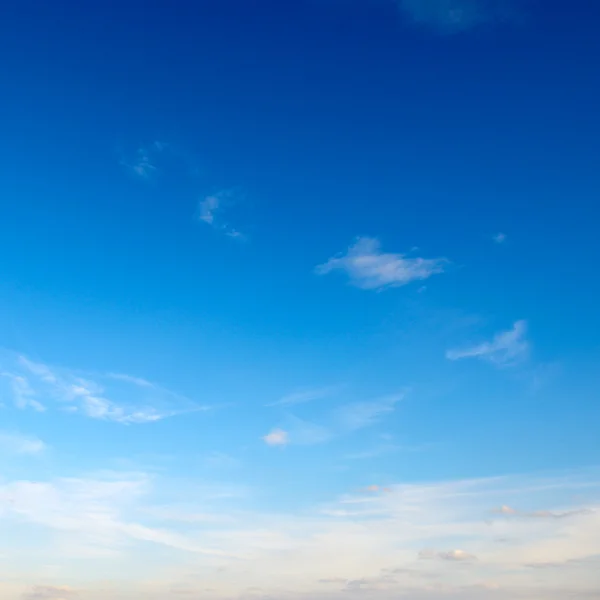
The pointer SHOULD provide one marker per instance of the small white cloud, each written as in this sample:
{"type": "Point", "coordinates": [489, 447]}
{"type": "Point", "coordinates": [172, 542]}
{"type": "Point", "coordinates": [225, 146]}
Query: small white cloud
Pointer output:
{"type": "Point", "coordinates": [453, 16]}
{"type": "Point", "coordinates": [506, 348]}
{"type": "Point", "coordinates": [211, 211]}
{"type": "Point", "coordinates": [505, 510]}
{"type": "Point", "coordinates": [451, 555]}
{"type": "Point", "coordinates": [370, 269]}
{"type": "Point", "coordinates": [277, 437]}
{"type": "Point", "coordinates": [456, 555]}
{"type": "Point", "coordinates": [16, 443]}
{"type": "Point", "coordinates": [499, 238]}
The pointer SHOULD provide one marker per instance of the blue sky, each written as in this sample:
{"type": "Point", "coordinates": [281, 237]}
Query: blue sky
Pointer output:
{"type": "Point", "coordinates": [299, 299]}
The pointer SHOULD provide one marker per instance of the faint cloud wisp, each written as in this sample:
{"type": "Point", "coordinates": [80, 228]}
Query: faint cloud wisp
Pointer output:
{"type": "Point", "coordinates": [455, 16]}
{"type": "Point", "coordinates": [507, 348]}
{"type": "Point", "coordinates": [16, 443]}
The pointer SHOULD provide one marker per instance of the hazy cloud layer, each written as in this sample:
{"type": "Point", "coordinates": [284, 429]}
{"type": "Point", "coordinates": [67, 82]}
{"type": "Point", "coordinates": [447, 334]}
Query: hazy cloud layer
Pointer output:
{"type": "Point", "coordinates": [390, 542]}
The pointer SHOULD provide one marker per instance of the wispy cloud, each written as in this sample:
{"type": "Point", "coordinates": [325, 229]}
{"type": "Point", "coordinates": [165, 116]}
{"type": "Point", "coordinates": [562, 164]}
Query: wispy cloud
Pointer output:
{"type": "Point", "coordinates": [16, 443]}
{"type": "Point", "coordinates": [509, 511]}
{"type": "Point", "coordinates": [506, 348]}
{"type": "Point", "coordinates": [453, 16]}
{"type": "Point", "coordinates": [341, 421]}
{"type": "Point", "coordinates": [144, 162]}
{"type": "Point", "coordinates": [374, 452]}
{"type": "Point", "coordinates": [298, 432]}
{"type": "Point", "coordinates": [364, 414]}
{"type": "Point", "coordinates": [22, 392]}
{"type": "Point", "coordinates": [220, 460]}
{"type": "Point", "coordinates": [499, 238]}
{"type": "Point", "coordinates": [371, 269]}
{"type": "Point", "coordinates": [96, 511]}
{"type": "Point", "coordinates": [120, 398]}
{"type": "Point", "coordinates": [212, 209]}
{"type": "Point", "coordinates": [307, 395]}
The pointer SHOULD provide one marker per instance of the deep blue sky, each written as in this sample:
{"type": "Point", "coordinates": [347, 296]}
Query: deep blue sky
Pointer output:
{"type": "Point", "coordinates": [173, 175]}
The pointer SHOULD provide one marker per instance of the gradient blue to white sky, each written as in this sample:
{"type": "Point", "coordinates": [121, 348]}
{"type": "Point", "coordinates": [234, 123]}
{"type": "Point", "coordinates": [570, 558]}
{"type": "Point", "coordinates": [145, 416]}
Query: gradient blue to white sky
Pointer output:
{"type": "Point", "coordinates": [299, 300]}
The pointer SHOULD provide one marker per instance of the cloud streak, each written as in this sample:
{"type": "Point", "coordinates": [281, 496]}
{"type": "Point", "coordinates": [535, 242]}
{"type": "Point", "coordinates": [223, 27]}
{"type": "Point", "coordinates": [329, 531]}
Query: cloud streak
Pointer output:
{"type": "Point", "coordinates": [368, 268]}
{"type": "Point", "coordinates": [507, 348]}
{"type": "Point", "coordinates": [114, 397]}
{"type": "Point", "coordinates": [304, 396]}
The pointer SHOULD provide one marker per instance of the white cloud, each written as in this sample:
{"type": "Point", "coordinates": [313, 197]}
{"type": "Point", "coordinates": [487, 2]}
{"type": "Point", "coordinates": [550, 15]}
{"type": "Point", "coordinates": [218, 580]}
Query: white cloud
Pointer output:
{"type": "Point", "coordinates": [370, 269]}
{"type": "Point", "coordinates": [499, 238]}
{"type": "Point", "coordinates": [309, 395]}
{"type": "Point", "coordinates": [120, 398]}
{"type": "Point", "coordinates": [277, 437]}
{"type": "Point", "coordinates": [506, 348]}
{"type": "Point", "coordinates": [16, 443]}
{"type": "Point", "coordinates": [452, 16]}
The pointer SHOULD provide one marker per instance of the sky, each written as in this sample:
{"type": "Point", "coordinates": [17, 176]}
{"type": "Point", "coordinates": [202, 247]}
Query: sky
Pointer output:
{"type": "Point", "coordinates": [299, 300]}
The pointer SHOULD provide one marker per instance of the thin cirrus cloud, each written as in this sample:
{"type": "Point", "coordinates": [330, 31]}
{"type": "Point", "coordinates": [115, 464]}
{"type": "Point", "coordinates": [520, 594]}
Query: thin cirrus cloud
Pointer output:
{"type": "Point", "coordinates": [307, 395]}
{"type": "Point", "coordinates": [298, 432]}
{"type": "Point", "coordinates": [16, 443]}
{"type": "Point", "coordinates": [368, 268]}
{"type": "Point", "coordinates": [113, 397]}
{"type": "Point", "coordinates": [359, 415]}
{"type": "Point", "coordinates": [509, 511]}
{"type": "Point", "coordinates": [455, 16]}
{"type": "Point", "coordinates": [343, 420]}
{"type": "Point", "coordinates": [507, 348]}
